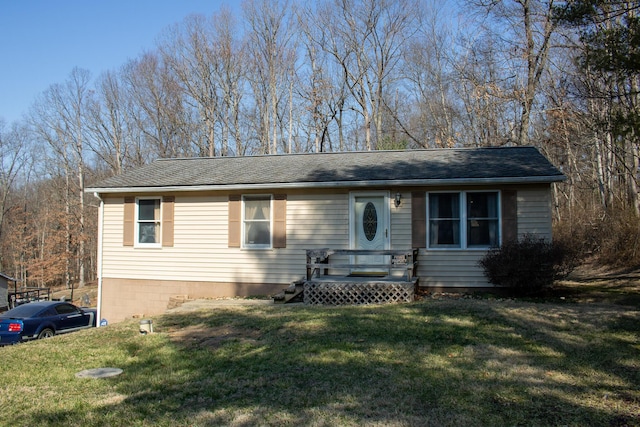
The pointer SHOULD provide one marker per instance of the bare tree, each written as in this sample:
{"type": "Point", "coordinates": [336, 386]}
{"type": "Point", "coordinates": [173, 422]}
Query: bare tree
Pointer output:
{"type": "Point", "coordinates": [230, 75]}
{"type": "Point", "coordinates": [430, 72]}
{"type": "Point", "coordinates": [188, 52]}
{"type": "Point", "coordinates": [523, 29]}
{"type": "Point", "coordinates": [157, 107]}
{"type": "Point", "coordinates": [322, 86]}
{"type": "Point", "coordinates": [14, 157]}
{"type": "Point", "coordinates": [107, 123]}
{"type": "Point", "coordinates": [484, 93]}
{"type": "Point", "coordinates": [58, 119]}
{"type": "Point", "coordinates": [270, 38]}
{"type": "Point", "coordinates": [366, 40]}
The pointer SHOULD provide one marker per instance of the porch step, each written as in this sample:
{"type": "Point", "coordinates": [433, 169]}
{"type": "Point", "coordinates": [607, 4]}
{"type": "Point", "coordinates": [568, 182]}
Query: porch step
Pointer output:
{"type": "Point", "coordinates": [294, 293]}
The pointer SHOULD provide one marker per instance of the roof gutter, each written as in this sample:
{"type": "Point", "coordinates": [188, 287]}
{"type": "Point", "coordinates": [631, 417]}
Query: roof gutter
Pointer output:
{"type": "Point", "coordinates": [331, 184]}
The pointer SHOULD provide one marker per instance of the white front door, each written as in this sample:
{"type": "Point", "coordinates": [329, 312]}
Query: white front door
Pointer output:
{"type": "Point", "coordinates": [370, 229]}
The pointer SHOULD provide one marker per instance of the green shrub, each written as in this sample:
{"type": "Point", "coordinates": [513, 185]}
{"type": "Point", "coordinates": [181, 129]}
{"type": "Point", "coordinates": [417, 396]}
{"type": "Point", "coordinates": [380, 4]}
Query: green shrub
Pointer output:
{"type": "Point", "coordinates": [529, 265]}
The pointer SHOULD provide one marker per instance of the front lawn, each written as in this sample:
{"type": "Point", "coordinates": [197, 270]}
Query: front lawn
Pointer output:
{"type": "Point", "coordinates": [433, 362]}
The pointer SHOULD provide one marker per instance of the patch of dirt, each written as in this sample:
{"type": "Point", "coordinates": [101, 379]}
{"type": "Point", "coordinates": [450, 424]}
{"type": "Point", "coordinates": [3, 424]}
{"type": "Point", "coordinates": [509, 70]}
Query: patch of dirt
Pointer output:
{"type": "Point", "coordinates": [596, 284]}
{"type": "Point", "coordinates": [211, 337]}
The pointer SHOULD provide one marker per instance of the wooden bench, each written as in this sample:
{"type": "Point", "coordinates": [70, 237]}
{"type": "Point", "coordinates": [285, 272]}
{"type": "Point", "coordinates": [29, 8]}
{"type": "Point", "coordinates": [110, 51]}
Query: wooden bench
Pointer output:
{"type": "Point", "coordinates": [319, 262]}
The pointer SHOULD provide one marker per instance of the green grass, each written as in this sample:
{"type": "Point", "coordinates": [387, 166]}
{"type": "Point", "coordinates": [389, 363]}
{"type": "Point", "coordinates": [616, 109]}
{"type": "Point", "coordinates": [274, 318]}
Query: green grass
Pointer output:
{"type": "Point", "coordinates": [444, 362]}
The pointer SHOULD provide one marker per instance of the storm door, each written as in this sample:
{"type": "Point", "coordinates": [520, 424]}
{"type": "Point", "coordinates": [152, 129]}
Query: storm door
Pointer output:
{"type": "Point", "coordinates": [370, 230]}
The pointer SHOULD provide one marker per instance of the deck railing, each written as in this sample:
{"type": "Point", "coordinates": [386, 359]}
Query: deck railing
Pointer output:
{"type": "Point", "coordinates": [319, 262]}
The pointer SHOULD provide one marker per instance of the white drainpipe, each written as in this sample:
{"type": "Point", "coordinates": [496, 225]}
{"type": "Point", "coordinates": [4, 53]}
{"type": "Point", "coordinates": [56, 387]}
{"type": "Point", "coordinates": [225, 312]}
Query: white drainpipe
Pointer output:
{"type": "Point", "coordinates": [99, 258]}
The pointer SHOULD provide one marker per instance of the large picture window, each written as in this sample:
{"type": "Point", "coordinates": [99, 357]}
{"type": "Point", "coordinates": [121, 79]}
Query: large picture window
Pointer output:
{"type": "Point", "coordinates": [257, 222]}
{"type": "Point", "coordinates": [148, 222]}
{"type": "Point", "coordinates": [463, 219]}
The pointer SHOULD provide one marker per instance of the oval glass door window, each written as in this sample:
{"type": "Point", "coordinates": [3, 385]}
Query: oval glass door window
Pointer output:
{"type": "Point", "coordinates": [370, 221]}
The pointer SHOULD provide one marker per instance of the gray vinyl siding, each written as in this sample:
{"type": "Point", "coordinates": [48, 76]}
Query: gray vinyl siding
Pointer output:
{"type": "Point", "coordinates": [534, 212]}
{"type": "Point", "coordinates": [4, 297]}
{"type": "Point", "coordinates": [450, 268]}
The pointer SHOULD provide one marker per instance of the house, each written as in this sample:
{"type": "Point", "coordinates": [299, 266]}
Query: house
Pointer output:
{"type": "Point", "coordinates": [238, 226]}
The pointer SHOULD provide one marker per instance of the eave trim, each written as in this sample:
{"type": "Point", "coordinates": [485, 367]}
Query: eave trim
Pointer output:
{"type": "Point", "coordinates": [331, 184]}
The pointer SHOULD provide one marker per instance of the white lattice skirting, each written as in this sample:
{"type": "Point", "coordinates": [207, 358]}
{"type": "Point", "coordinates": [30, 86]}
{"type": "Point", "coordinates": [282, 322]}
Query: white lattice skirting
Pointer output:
{"type": "Point", "coordinates": [355, 293]}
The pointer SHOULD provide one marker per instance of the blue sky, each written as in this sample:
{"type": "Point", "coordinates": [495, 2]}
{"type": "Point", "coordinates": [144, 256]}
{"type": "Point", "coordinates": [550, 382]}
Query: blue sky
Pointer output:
{"type": "Point", "coordinates": [41, 41]}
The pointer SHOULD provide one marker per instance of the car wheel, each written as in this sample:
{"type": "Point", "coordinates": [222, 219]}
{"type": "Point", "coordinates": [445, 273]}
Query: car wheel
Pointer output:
{"type": "Point", "coordinates": [46, 333]}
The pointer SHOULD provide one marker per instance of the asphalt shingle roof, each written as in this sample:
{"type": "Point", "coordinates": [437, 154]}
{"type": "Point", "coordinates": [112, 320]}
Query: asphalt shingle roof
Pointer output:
{"type": "Point", "coordinates": [411, 167]}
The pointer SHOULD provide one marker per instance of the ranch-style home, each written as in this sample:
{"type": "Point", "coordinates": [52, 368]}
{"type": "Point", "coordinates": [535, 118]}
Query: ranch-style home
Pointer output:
{"type": "Point", "coordinates": [240, 226]}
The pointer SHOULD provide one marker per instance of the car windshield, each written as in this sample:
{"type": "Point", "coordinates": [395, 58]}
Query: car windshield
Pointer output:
{"type": "Point", "coordinates": [24, 310]}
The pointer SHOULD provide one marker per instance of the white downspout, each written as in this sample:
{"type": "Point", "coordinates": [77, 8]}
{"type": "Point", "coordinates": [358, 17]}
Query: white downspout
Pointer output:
{"type": "Point", "coordinates": [99, 258]}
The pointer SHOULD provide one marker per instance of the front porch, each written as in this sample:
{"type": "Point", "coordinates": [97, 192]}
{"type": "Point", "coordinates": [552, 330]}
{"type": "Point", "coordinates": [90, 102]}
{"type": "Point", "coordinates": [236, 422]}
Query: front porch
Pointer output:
{"type": "Point", "coordinates": [355, 276]}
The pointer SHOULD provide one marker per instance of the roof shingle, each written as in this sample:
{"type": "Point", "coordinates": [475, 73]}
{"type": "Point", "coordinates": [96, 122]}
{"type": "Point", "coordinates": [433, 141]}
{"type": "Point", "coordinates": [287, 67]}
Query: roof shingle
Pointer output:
{"type": "Point", "coordinates": [411, 167]}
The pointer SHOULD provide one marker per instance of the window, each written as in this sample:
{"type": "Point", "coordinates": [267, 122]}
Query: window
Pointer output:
{"type": "Point", "coordinates": [66, 309]}
{"type": "Point", "coordinates": [463, 220]}
{"type": "Point", "coordinates": [257, 222]}
{"type": "Point", "coordinates": [444, 220]}
{"type": "Point", "coordinates": [148, 222]}
{"type": "Point", "coordinates": [482, 220]}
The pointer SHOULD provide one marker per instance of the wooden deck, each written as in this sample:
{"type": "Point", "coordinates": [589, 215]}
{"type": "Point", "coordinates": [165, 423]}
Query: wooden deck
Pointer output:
{"type": "Point", "coordinates": [333, 279]}
{"type": "Point", "coordinates": [339, 262]}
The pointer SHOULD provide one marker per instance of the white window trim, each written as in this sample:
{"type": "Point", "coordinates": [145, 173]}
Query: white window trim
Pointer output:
{"type": "Point", "coordinates": [243, 245]}
{"type": "Point", "coordinates": [137, 242]}
{"type": "Point", "coordinates": [463, 221]}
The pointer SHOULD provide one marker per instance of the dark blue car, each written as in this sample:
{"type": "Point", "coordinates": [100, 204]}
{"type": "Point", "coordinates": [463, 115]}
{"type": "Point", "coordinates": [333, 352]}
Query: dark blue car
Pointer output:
{"type": "Point", "coordinates": [45, 319]}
